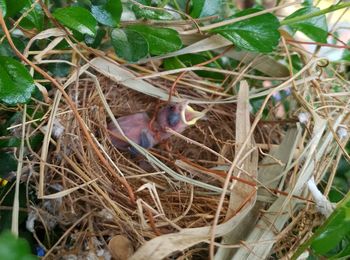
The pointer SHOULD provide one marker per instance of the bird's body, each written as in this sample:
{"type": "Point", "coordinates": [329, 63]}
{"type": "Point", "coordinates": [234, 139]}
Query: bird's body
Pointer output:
{"type": "Point", "coordinates": [140, 129]}
{"type": "Point", "coordinates": [136, 127]}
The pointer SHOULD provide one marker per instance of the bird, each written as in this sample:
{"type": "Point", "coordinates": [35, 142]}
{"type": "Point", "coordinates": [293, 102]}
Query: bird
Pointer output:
{"type": "Point", "coordinates": [147, 132]}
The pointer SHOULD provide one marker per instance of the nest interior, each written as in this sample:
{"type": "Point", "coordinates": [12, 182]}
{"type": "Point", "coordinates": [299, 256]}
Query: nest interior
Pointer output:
{"type": "Point", "coordinates": [164, 205]}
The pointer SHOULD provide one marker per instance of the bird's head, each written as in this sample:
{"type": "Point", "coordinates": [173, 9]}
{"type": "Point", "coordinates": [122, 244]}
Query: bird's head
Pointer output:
{"type": "Point", "coordinates": [178, 116]}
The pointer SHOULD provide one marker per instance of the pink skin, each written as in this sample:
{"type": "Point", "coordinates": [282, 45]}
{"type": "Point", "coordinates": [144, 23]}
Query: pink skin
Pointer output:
{"type": "Point", "coordinates": [138, 127]}
{"type": "Point", "coordinates": [133, 126]}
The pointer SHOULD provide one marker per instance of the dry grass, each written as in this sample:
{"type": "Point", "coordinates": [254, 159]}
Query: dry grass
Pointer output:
{"type": "Point", "coordinates": [185, 194]}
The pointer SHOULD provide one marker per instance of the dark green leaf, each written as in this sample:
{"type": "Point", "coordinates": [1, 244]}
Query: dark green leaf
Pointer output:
{"type": "Point", "coordinates": [346, 53]}
{"type": "Point", "coordinates": [145, 2]}
{"type": "Point", "coordinates": [173, 63]}
{"type": "Point", "coordinates": [16, 84]}
{"type": "Point", "coordinates": [189, 60]}
{"type": "Point", "coordinates": [77, 18]}
{"type": "Point", "coordinates": [296, 62]}
{"type": "Point", "coordinates": [315, 28]}
{"type": "Point", "coordinates": [333, 232]}
{"type": "Point", "coordinates": [339, 188]}
{"type": "Point", "coordinates": [129, 45]}
{"type": "Point", "coordinates": [34, 19]}
{"type": "Point", "coordinates": [308, 3]}
{"type": "Point", "coordinates": [13, 7]}
{"type": "Point", "coordinates": [7, 195]}
{"type": "Point", "coordinates": [258, 34]}
{"type": "Point", "coordinates": [6, 50]}
{"type": "Point", "coordinates": [180, 5]}
{"type": "Point", "coordinates": [94, 42]}
{"type": "Point", "coordinates": [10, 119]}
{"type": "Point", "coordinates": [36, 141]}
{"type": "Point", "coordinates": [8, 164]}
{"type": "Point", "coordinates": [84, 3]}
{"type": "Point", "coordinates": [151, 14]}
{"type": "Point", "coordinates": [10, 142]}
{"type": "Point", "coordinates": [14, 248]}
{"type": "Point", "coordinates": [202, 8]}
{"type": "Point", "coordinates": [3, 7]}
{"type": "Point", "coordinates": [160, 40]}
{"type": "Point", "coordinates": [59, 69]}
{"type": "Point", "coordinates": [345, 251]}
{"type": "Point", "coordinates": [109, 13]}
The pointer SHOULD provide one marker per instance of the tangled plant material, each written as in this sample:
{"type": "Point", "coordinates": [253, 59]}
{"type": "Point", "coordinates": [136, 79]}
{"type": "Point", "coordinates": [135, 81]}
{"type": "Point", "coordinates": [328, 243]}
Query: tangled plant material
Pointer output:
{"type": "Point", "coordinates": [218, 179]}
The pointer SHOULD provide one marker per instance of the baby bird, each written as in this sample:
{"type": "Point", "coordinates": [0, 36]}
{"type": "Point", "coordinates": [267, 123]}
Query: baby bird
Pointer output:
{"type": "Point", "coordinates": [139, 128]}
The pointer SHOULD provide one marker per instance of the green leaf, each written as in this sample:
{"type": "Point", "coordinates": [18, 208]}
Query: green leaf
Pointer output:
{"type": "Point", "coordinates": [84, 3]}
{"type": "Point", "coordinates": [257, 34]}
{"type": "Point", "coordinates": [8, 164]}
{"type": "Point", "coordinates": [95, 42]}
{"type": "Point", "coordinates": [13, 7]}
{"type": "Point", "coordinates": [189, 60]}
{"type": "Point", "coordinates": [333, 234]}
{"type": "Point", "coordinates": [160, 40]}
{"type": "Point", "coordinates": [151, 14]}
{"type": "Point", "coordinates": [346, 53]}
{"type": "Point", "coordinates": [307, 3]}
{"type": "Point", "coordinates": [108, 14]}
{"type": "Point", "coordinates": [339, 188]}
{"type": "Point", "coordinates": [145, 2]}
{"type": "Point", "coordinates": [315, 28]}
{"type": "Point", "coordinates": [77, 18]}
{"type": "Point", "coordinates": [9, 142]}
{"type": "Point", "coordinates": [6, 50]}
{"type": "Point", "coordinates": [202, 8]}
{"type": "Point", "coordinates": [334, 230]}
{"type": "Point", "coordinates": [16, 84]}
{"type": "Point", "coordinates": [7, 195]}
{"type": "Point", "coordinates": [14, 248]}
{"type": "Point", "coordinates": [173, 63]}
{"type": "Point", "coordinates": [59, 69]}
{"type": "Point", "coordinates": [3, 7]}
{"type": "Point", "coordinates": [129, 45]}
{"type": "Point", "coordinates": [34, 19]}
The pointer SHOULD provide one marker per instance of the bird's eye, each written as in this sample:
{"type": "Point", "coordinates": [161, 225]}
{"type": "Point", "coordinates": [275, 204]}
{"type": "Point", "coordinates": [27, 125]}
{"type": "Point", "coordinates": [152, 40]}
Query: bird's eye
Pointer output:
{"type": "Point", "coordinates": [171, 108]}
{"type": "Point", "coordinates": [173, 119]}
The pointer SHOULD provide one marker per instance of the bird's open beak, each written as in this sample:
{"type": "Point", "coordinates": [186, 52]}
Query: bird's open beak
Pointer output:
{"type": "Point", "coordinates": [190, 116]}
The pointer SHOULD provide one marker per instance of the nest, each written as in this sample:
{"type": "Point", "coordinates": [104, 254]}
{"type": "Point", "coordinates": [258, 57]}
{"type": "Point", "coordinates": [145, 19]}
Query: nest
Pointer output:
{"type": "Point", "coordinates": [164, 205]}
{"type": "Point", "coordinates": [178, 198]}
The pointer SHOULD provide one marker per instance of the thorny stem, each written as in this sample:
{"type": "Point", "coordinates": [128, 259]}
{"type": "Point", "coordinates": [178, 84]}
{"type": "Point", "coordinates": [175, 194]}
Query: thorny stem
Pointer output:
{"type": "Point", "coordinates": [70, 103]}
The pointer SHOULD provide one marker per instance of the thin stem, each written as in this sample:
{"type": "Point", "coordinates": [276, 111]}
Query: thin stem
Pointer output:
{"type": "Point", "coordinates": [236, 19]}
{"type": "Point", "coordinates": [321, 44]}
{"type": "Point", "coordinates": [15, 211]}
{"type": "Point", "coordinates": [70, 102]}
{"type": "Point", "coordinates": [330, 9]}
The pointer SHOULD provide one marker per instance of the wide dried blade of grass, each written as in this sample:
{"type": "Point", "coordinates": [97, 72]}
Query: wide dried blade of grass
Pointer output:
{"type": "Point", "coordinates": [274, 219]}
{"type": "Point", "coordinates": [114, 71]}
{"type": "Point", "coordinates": [117, 73]}
{"type": "Point", "coordinates": [186, 197]}
{"type": "Point", "coordinates": [162, 246]}
{"type": "Point", "coordinates": [265, 65]}
{"type": "Point", "coordinates": [15, 211]}
{"type": "Point", "coordinates": [241, 191]}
